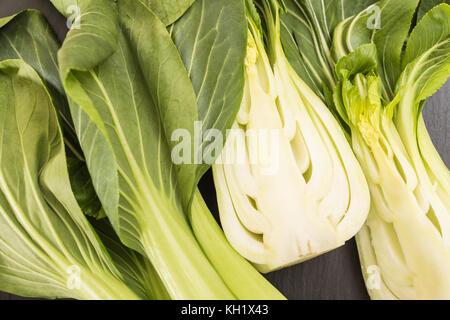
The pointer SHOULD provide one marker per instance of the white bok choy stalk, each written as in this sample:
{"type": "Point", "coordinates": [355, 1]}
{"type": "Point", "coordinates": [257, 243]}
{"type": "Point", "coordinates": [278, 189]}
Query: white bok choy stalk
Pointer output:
{"type": "Point", "coordinates": [404, 246]}
{"type": "Point", "coordinates": [298, 190]}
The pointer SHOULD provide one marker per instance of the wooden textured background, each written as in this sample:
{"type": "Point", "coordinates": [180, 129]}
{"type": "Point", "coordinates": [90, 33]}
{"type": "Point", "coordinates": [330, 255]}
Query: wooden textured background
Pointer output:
{"type": "Point", "coordinates": [335, 275]}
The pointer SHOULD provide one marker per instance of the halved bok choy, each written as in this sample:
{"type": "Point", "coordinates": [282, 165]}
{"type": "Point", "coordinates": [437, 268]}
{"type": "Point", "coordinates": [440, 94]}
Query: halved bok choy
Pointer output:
{"type": "Point", "coordinates": [289, 187]}
{"type": "Point", "coordinates": [404, 247]}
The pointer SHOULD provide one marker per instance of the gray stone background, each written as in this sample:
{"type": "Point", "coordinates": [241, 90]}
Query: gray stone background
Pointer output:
{"type": "Point", "coordinates": [335, 275]}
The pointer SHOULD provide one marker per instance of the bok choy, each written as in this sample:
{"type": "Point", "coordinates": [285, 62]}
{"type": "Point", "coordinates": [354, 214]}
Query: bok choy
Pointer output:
{"type": "Point", "coordinates": [126, 104]}
{"type": "Point", "coordinates": [378, 96]}
{"type": "Point", "coordinates": [312, 195]}
{"type": "Point", "coordinates": [406, 235]}
{"type": "Point", "coordinates": [47, 247]}
{"type": "Point", "coordinates": [16, 33]}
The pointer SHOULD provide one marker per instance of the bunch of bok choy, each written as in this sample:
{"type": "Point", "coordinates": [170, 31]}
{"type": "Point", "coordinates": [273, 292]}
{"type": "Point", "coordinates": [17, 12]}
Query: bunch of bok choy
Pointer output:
{"type": "Point", "coordinates": [103, 140]}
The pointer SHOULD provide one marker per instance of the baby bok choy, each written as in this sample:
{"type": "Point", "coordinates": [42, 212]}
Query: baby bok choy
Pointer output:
{"type": "Point", "coordinates": [127, 90]}
{"type": "Point", "coordinates": [16, 33]}
{"type": "Point", "coordinates": [404, 246]}
{"type": "Point", "coordinates": [47, 247]}
{"type": "Point", "coordinates": [288, 184]}
{"type": "Point", "coordinates": [406, 235]}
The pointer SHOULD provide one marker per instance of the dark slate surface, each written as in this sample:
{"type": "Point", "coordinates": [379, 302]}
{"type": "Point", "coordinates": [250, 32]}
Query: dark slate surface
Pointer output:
{"type": "Point", "coordinates": [335, 275]}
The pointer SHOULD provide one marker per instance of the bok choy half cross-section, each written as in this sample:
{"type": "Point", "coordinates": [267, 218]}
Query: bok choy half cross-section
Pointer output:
{"type": "Point", "coordinates": [311, 195]}
{"type": "Point", "coordinates": [47, 247]}
{"type": "Point", "coordinates": [406, 236]}
{"type": "Point", "coordinates": [390, 263]}
{"type": "Point", "coordinates": [404, 246]}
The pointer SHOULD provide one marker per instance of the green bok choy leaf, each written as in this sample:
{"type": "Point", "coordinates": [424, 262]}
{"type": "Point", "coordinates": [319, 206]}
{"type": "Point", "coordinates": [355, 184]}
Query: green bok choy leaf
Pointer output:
{"type": "Point", "coordinates": [28, 36]}
{"type": "Point", "coordinates": [307, 29]}
{"type": "Point", "coordinates": [168, 11]}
